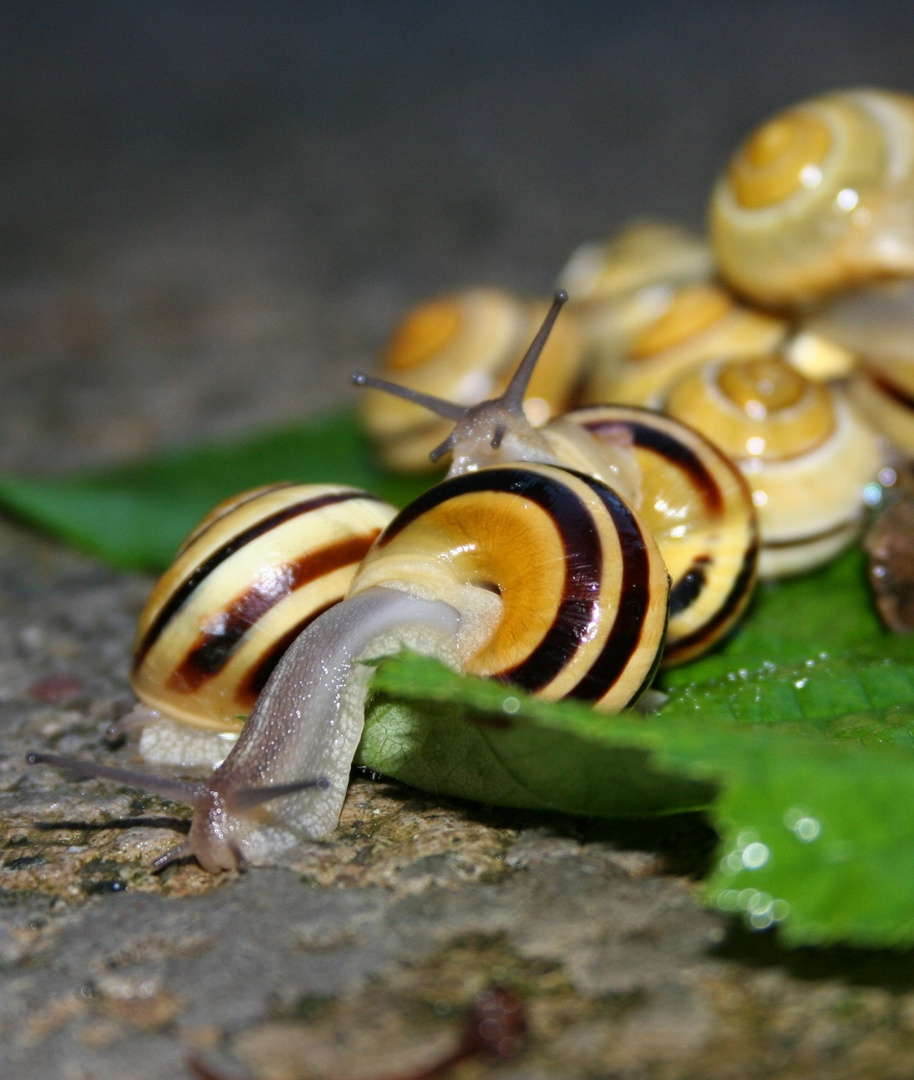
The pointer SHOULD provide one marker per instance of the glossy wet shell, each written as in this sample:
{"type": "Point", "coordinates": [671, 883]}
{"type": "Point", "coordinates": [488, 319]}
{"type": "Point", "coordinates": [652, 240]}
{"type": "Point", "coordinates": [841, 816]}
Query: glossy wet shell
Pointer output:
{"type": "Point", "coordinates": [699, 509]}
{"type": "Point", "coordinates": [582, 590]}
{"type": "Point", "coordinates": [245, 583]}
{"type": "Point", "coordinates": [821, 197]}
{"type": "Point", "coordinates": [806, 455]}
{"type": "Point", "coordinates": [689, 326]}
{"type": "Point", "coordinates": [643, 253]}
{"type": "Point", "coordinates": [884, 393]}
{"type": "Point", "coordinates": [877, 324]}
{"type": "Point", "coordinates": [464, 348]}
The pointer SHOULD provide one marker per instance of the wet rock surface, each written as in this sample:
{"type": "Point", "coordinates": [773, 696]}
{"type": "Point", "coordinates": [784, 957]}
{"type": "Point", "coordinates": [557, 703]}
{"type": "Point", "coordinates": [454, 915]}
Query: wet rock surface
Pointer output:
{"type": "Point", "coordinates": [203, 226]}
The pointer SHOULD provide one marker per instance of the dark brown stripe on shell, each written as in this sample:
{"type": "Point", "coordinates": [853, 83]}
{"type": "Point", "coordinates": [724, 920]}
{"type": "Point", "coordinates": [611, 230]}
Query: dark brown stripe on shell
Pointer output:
{"type": "Point", "coordinates": [634, 602]}
{"type": "Point", "coordinates": [689, 587]}
{"type": "Point", "coordinates": [253, 496]}
{"type": "Point", "coordinates": [579, 606]}
{"type": "Point", "coordinates": [728, 610]}
{"type": "Point", "coordinates": [651, 438]}
{"type": "Point", "coordinates": [185, 590]}
{"type": "Point", "coordinates": [212, 651]}
{"type": "Point", "coordinates": [890, 389]}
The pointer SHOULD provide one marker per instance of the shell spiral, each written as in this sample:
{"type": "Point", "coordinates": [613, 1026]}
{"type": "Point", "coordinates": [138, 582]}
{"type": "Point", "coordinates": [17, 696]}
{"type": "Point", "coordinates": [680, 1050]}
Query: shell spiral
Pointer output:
{"type": "Point", "coordinates": [560, 586]}
{"type": "Point", "coordinates": [821, 197]}
{"type": "Point", "coordinates": [698, 507]}
{"type": "Point", "coordinates": [806, 455]}
{"type": "Point", "coordinates": [249, 578]}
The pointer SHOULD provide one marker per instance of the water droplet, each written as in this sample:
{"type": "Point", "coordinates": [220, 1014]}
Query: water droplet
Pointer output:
{"type": "Point", "coordinates": [780, 909]}
{"type": "Point", "coordinates": [755, 856]}
{"type": "Point", "coordinates": [807, 829]}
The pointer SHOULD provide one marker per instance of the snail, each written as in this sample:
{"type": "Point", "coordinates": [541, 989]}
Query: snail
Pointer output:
{"type": "Point", "coordinates": [699, 509]}
{"type": "Point", "coordinates": [819, 199]}
{"type": "Point", "coordinates": [578, 609]}
{"type": "Point", "coordinates": [463, 347]}
{"type": "Point", "coordinates": [244, 584]}
{"type": "Point", "coordinates": [649, 309]}
{"type": "Point", "coordinates": [688, 326]}
{"type": "Point", "coordinates": [804, 451]}
{"type": "Point", "coordinates": [643, 254]}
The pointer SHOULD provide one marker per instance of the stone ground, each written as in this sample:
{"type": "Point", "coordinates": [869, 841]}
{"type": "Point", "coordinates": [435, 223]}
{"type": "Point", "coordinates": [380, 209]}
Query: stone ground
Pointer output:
{"type": "Point", "coordinates": [207, 216]}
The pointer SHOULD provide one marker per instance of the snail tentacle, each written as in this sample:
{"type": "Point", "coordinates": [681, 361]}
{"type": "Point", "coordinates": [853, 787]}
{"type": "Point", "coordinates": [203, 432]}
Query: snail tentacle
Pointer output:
{"type": "Point", "coordinates": [496, 430]}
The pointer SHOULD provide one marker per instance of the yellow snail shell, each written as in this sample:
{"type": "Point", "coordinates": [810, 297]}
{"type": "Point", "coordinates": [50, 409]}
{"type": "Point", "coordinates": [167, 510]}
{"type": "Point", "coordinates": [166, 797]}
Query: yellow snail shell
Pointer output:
{"type": "Point", "coordinates": [619, 287]}
{"type": "Point", "coordinates": [689, 326]}
{"type": "Point", "coordinates": [820, 198]}
{"type": "Point", "coordinates": [561, 588]}
{"type": "Point", "coordinates": [878, 325]}
{"type": "Point", "coordinates": [464, 347]}
{"type": "Point", "coordinates": [806, 455]}
{"type": "Point", "coordinates": [643, 253]}
{"type": "Point", "coordinates": [247, 580]}
{"type": "Point", "coordinates": [698, 507]}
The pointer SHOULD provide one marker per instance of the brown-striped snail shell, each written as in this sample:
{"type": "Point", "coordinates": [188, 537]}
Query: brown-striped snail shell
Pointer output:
{"type": "Point", "coordinates": [805, 453]}
{"type": "Point", "coordinates": [244, 584]}
{"type": "Point", "coordinates": [580, 612]}
{"type": "Point", "coordinates": [689, 326]}
{"type": "Point", "coordinates": [463, 347]}
{"type": "Point", "coordinates": [698, 507]}
{"type": "Point", "coordinates": [818, 199]}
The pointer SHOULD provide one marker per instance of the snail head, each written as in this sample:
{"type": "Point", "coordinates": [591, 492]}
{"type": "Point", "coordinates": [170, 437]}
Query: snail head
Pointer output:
{"type": "Point", "coordinates": [493, 431]}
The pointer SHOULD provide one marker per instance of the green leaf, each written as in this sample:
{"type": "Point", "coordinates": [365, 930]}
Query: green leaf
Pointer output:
{"type": "Point", "coordinates": [817, 833]}
{"type": "Point", "coordinates": [479, 740]}
{"type": "Point", "coordinates": [135, 516]}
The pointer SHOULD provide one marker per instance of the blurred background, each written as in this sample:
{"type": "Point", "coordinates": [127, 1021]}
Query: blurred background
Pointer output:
{"type": "Point", "coordinates": [210, 212]}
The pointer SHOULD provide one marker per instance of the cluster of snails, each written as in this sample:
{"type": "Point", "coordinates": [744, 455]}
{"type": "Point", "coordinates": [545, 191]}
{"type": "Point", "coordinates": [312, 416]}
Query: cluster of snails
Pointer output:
{"type": "Point", "coordinates": [786, 336]}
{"type": "Point", "coordinates": [572, 547]}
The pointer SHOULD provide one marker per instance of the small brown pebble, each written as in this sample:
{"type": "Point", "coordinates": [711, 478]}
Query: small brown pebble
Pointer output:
{"type": "Point", "coordinates": [57, 689]}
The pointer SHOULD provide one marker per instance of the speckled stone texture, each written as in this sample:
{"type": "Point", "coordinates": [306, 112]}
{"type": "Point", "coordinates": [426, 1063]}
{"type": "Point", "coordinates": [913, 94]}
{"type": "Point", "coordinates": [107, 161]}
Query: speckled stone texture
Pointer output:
{"type": "Point", "coordinates": [208, 215]}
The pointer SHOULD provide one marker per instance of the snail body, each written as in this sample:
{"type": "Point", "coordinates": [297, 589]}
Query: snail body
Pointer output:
{"type": "Point", "coordinates": [805, 453]}
{"type": "Point", "coordinates": [588, 623]}
{"type": "Point", "coordinates": [463, 348]}
{"type": "Point", "coordinates": [819, 199]}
